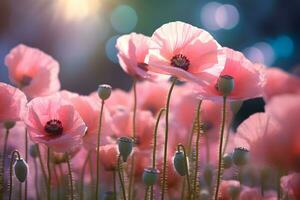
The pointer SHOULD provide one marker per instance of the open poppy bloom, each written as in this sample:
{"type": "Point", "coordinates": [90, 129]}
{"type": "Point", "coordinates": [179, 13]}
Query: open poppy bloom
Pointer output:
{"type": "Point", "coordinates": [32, 70]}
{"type": "Point", "coordinates": [133, 49]}
{"type": "Point", "coordinates": [248, 79]}
{"type": "Point", "coordinates": [186, 52]}
{"type": "Point", "coordinates": [55, 123]}
{"type": "Point", "coordinates": [12, 103]}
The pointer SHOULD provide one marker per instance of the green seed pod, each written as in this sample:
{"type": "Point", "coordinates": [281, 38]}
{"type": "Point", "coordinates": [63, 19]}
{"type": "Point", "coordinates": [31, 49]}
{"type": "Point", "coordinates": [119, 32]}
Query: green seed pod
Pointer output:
{"type": "Point", "coordinates": [208, 175]}
{"type": "Point", "coordinates": [9, 124]}
{"type": "Point", "coordinates": [204, 195]}
{"type": "Point", "coordinates": [240, 156]}
{"type": "Point", "coordinates": [21, 169]}
{"type": "Point", "coordinates": [104, 91]}
{"type": "Point", "coordinates": [225, 84]}
{"type": "Point", "coordinates": [110, 195]}
{"type": "Point", "coordinates": [227, 161]}
{"type": "Point", "coordinates": [179, 163]}
{"type": "Point", "coordinates": [33, 151]}
{"type": "Point", "coordinates": [150, 176]}
{"type": "Point", "coordinates": [125, 145]}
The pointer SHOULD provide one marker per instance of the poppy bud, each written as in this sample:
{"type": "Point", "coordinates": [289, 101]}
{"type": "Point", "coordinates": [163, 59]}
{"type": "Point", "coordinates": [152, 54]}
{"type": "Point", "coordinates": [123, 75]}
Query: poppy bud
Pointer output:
{"type": "Point", "coordinates": [240, 156]}
{"type": "Point", "coordinates": [225, 84]}
{"type": "Point", "coordinates": [33, 151]}
{"type": "Point", "coordinates": [125, 145]}
{"type": "Point", "coordinates": [21, 169]}
{"type": "Point", "coordinates": [110, 195]}
{"type": "Point", "coordinates": [104, 91]}
{"type": "Point", "coordinates": [150, 176]}
{"type": "Point", "coordinates": [227, 161]}
{"type": "Point", "coordinates": [179, 163]}
{"type": "Point", "coordinates": [9, 124]}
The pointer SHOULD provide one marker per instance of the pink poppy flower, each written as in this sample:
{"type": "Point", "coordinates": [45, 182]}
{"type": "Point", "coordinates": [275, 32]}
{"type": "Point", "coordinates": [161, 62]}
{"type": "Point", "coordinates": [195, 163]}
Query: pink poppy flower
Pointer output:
{"type": "Point", "coordinates": [248, 78]}
{"type": "Point", "coordinates": [89, 110]}
{"type": "Point", "coordinates": [280, 82]}
{"type": "Point", "coordinates": [229, 188]}
{"type": "Point", "coordinates": [132, 51]}
{"type": "Point", "coordinates": [291, 185]}
{"type": "Point", "coordinates": [54, 122]}
{"type": "Point", "coordinates": [186, 52]}
{"type": "Point", "coordinates": [33, 70]}
{"type": "Point", "coordinates": [12, 103]}
{"type": "Point", "coordinates": [109, 156]}
{"type": "Point", "coordinates": [255, 194]}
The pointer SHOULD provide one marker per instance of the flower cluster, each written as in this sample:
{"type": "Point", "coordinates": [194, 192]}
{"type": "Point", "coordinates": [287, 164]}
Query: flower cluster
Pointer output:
{"type": "Point", "coordinates": [172, 126]}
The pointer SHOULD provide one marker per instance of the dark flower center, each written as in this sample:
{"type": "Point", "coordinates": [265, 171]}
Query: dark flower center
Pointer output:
{"type": "Point", "coordinates": [26, 80]}
{"type": "Point", "coordinates": [143, 66]}
{"type": "Point", "coordinates": [180, 61]}
{"type": "Point", "coordinates": [54, 127]}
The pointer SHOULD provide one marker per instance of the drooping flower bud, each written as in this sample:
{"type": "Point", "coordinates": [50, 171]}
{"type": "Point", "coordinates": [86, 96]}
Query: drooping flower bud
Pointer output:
{"type": "Point", "coordinates": [21, 169]}
{"type": "Point", "coordinates": [225, 84]}
{"type": "Point", "coordinates": [110, 195]}
{"type": "Point", "coordinates": [9, 124]}
{"type": "Point", "coordinates": [240, 156]}
{"type": "Point", "coordinates": [104, 91]}
{"type": "Point", "coordinates": [150, 176]}
{"type": "Point", "coordinates": [125, 145]}
{"type": "Point", "coordinates": [179, 163]}
{"type": "Point", "coordinates": [204, 194]}
{"type": "Point", "coordinates": [227, 161]}
{"type": "Point", "coordinates": [33, 151]}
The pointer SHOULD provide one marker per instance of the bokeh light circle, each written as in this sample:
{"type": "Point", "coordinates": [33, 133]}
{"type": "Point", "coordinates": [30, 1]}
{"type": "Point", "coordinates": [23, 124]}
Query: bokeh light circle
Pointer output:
{"type": "Point", "coordinates": [227, 16]}
{"type": "Point", "coordinates": [283, 46]}
{"type": "Point", "coordinates": [124, 19]}
{"type": "Point", "coordinates": [111, 50]}
{"type": "Point", "coordinates": [261, 52]}
{"type": "Point", "coordinates": [207, 15]}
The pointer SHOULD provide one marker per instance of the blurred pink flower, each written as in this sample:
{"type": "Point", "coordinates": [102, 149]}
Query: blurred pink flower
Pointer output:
{"type": "Point", "coordinates": [291, 185]}
{"type": "Point", "coordinates": [248, 78]}
{"type": "Point", "coordinates": [132, 51]}
{"type": "Point", "coordinates": [109, 156]}
{"type": "Point", "coordinates": [229, 187]}
{"type": "Point", "coordinates": [186, 52]}
{"type": "Point", "coordinates": [280, 82]}
{"type": "Point", "coordinates": [32, 70]}
{"type": "Point", "coordinates": [255, 194]}
{"type": "Point", "coordinates": [12, 103]}
{"type": "Point", "coordinates": [54, 122]}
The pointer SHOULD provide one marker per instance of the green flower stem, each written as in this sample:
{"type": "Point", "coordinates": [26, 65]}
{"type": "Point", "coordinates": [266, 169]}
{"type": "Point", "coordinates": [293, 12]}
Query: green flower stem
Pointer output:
{"type": "Point", "coordinates": [97, 151]}
{"type": "Point", "coordinates": [220, 149]}
{"type": "Point", "coordinates": [36, 178]}
{"type": "Point", "coordinates": [13, 155]}
{"type": "Point", "coordinates": [197, 150]}
{"type": "Point", "coordinates": [82, 175]}
{"type": "Point", "coordinates": [164, 181]}
{"type": "Point", "coordinates": [42, 166]}
{"type": "Point", "coordinates": [2, 167]}
{"type": "Point", "coordinates": [26, 159]}
{"type": "Point", "coordinates": [49, 175]}
{"type": "Point", "coordinates": [70, 178]}
{"type": "Point", "coordinates": [121, 179]}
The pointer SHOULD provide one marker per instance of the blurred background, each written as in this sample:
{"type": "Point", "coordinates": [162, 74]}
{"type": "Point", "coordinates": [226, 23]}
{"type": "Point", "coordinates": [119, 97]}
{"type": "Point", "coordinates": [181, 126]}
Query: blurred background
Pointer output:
{"type": "Point", "coordinates": [81, 34]}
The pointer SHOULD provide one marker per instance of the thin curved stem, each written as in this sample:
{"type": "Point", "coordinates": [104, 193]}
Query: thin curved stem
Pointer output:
{"type": "Point", "coordinates": [70, 178]}
{"type": "Point", "coordinates": [2, 173]}
{"type": "Point", "coordinates": [13, 154]}
{"type": "Point", "coordinates": [58, 182]}
{"type": "Point", "coordinates": [164, 181]}
{"type": "Point", "coordinates": [49, 175]}
{"type": "Point", "coordinates": [26, 159]}
{"type": "Point", "coordinates": [186, 168]}
{"type": "Point", "coordinates": [121, 178]}
{"type": "Point", "coordinates": [197, 150]}
{"type": "Point", "coordinates": [82, 175]}
{"type": "Point", "coordinates": [42, 166]}
{"type": "Point", "coordinates": [36, 179]}
{"type": "Point", "coordinates": [220, 148]}
{"type": "Point", "coordinates": [98, 146]}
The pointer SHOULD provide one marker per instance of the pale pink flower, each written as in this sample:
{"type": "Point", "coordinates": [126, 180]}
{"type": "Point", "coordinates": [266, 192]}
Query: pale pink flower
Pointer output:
{"type": "Point", "coordinates": [291, 185]}
{"type": "Point", "coordinates": [255, 194]}
{"type": "Point", "coordinates": [249, 78]}
{"type": "Point", "coordinates": [132, 51]}
{"type": "Point", "coordinates": [109, 156]}
{"type": "Point", "coordinates": [12, 103]}
{"type": "Point", "coordinates": [54, 122]}
{"type": "Point", "coordinates": [280, 82]}
{"type": "Point", "coordinates": [186, 52]}
{"type": "Point", "coordinates": [32, 70]}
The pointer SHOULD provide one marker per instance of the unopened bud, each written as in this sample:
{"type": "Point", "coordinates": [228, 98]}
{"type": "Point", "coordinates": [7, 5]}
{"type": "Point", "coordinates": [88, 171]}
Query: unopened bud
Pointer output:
{"type": "Point", "coordinates": [240, 156]}
{"type": "Point", "coordinates": [125, 145]}
{"type": "Point", "coordinates": [104, 91]}
{"type": "Point", "coordinates": [21, 169]}
{"type": "Point", "coordinates": [227, 161]}
{"type": "Point", "coordinates": [179, 163]}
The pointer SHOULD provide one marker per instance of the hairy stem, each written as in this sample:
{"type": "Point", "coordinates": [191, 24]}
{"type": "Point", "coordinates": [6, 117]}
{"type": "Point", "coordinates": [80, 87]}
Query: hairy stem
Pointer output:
{"type": "Point", "coordinates": [70, 178]}
{"type": "Point", "coordinates": [98, 156]}
{"type": "Point", "coordinates": [42, 166]}
{"type": "Point", "coordinates": [164, 181]}
{"type": "Point", "coordinates": [26, 159]}
{"type": "Point", "coordinates": [121, 179]}
{"type": "Point", "coordinates": [82, 175]}
{"type": "Point", "coordinates": [220, 149]}
{"type": "Point", "coordinates": [36, 179]}
{"type": "Point", "coordinates": [49, 175]}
